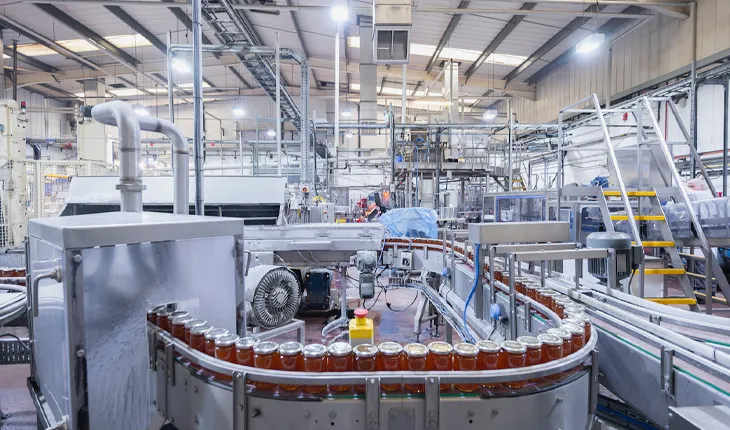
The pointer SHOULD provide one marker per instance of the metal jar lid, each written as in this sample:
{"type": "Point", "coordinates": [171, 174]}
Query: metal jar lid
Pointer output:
{"type": "Point", "coordinates": [214, 333]}
{"type": "Point", "coordinates": [340, 349]}
{"type": "Point", "coordinates": [580, 316]}
{"type": "Point", "coordinates": [266, 347]}
{"type": "Point", "coordinates": [390, 348]}
{"type": "Point", "coordinates": [546, 292]}
{"type": "Point", "coordinates": [181, 320]}
{"type": "Point", "coordinates": [466, 349]}
{"type": "Point", "coordinates": [199, 329]}
{"type": "Point", "coordinates": [365, 350]}
{"type": "Point", "coordinates": [513, 347]}
{"type": "Point", "coordinates": [177, 314]}
{"type": "Point", "coordinates": [488, 346]}
{"type": "Point", "coordinates": [575, 307]}
{"type": "Point", "coordinates": [162, 312]}
{"type": "Point", "coordinates": [247, 342]}
{"type": "Point", "coordinates": [416, 350]}
{"type": "Point", "coordinates": [550, 339]}
{"type": "Point", "coordinates": [440, 348]}
{"type": "Point", "coordinates": [226, 340]}
{"type": "Point", "coordinates": [190, 324]}
{"type": "Point", "coordinates": [314, 350]}
{"type": "Point", "coordinates": [562, 300]}
{"type": "Point", "coordinates": [573, 329]}
{"type": "Point", "coordinates": [530, 342]}
{"type": "Point", "coordinates": [559, 332]}
{"type": "Point", "coordinates": [290, 348]}
{"type": "Point", "coordinates": [573, 320]}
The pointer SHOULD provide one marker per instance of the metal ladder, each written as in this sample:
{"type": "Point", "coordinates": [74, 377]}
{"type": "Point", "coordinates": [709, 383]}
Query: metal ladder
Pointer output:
{"type": "Point", "coordinates": [230, 27]}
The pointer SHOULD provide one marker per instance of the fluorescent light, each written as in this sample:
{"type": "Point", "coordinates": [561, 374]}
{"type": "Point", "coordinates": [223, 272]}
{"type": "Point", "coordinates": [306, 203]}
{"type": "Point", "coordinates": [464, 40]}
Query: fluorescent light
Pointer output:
{"type": "Point", "coordinates": [180, 65]}
{"type": "Point", "coordinates": [346, 113]}
{"type": "Point", "coordinates": [141, 111]}
{"type": "Point", "coordinates": [490, 114]}
{"type": "Point", "coordinates": [339, 13]}
{"type": "Point", "coordinates": [590, 43]}
{"type": "Point", "coordinates": [353, 41]}
{"type": "Point", "coordinates": [271, 133]}
{"type": "Point", "coordinates": [238, 112]}
{"type": "Point", "coordinates": [83, 45]}
{"type": "Point", "coordinates": [348, 135]}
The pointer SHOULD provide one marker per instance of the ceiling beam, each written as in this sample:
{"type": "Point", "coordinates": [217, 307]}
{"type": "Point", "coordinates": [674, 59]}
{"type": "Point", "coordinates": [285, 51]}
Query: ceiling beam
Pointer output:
{"type": "Point", "coordinates": [418, 87]}
{"type": "Point", "coordinates": [139, 28]}
{"type": "Point", "coordinates": [608, 28]}
{"type": "Point", "coordinates": [188, 23]}
{"type": "Point", "coordinates": [554, 41]}
{"type": "Point", "coordinates": [494, 44]}
{"type": "Point", "coordinates": [37, 64]}
{"type": "Point", "coordinates": [446, 36]}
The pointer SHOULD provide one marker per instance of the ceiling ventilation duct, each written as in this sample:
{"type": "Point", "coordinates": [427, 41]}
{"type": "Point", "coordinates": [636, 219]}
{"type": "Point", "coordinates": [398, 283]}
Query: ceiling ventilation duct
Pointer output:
{"type": "Point", "coordinates": [391, 31]}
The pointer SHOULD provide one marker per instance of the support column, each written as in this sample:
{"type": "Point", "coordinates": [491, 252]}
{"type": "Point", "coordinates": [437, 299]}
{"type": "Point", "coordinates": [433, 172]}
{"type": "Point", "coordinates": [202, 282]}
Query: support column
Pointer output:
{"type": "Point", "coordinates": [2, 64]}
{"type": "Point", "coordinates": [93, 137]}
{"type": "Point", "coordinates": [450, 94]}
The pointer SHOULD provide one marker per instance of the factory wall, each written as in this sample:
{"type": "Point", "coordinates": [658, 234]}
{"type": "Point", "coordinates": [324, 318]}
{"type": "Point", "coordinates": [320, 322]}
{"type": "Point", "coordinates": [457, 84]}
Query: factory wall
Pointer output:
{"type": "Point", "coordinates": [42, 125]}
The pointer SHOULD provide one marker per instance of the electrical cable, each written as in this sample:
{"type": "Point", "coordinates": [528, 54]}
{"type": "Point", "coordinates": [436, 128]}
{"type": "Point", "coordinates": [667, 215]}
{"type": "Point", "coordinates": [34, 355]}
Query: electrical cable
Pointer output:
{"type": "Point", "coordinates": [20, 341]}
{"type": "Point", "coordinates": [418, 293]}
{"type": "Point", "coordinates": [471, 294]}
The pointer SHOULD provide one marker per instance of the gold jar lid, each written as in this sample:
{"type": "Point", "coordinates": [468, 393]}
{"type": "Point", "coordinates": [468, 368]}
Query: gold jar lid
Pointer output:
{"type": "Point", "coordinates": [416, 350]}
{"type": "Point", "coordinates": [365, 350]}
{"type": "Point", "coordinates": [390, 348]}
{"type": "Point", "coordinates": [488, 346]}
{"type": "Point", "coordinates": [466, 349]}
{"type": "Point", "coordinates": [440, 348]}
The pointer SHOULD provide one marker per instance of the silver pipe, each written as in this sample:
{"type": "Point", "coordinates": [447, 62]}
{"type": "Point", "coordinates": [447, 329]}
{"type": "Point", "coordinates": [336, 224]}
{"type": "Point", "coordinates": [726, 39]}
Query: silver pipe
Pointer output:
{"type": "Point", "coordinates": [180, 159]}
{"type": "Point", "coordinates": [170, 94]}
{"type": "Point", "coordinates": [198, 105]}
{"type": "Point", "coordinates": [120, 114]}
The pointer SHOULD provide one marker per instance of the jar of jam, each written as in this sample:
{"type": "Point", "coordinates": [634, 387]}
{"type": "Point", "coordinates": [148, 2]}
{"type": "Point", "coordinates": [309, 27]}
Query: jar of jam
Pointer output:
{"type": "Point", "coordinates": [515, 356]}
{"type": "Point", "coordinates": [244, 350]}
{"type": "Point", "coordinates": [177, 314]}
{"type": "Point", "coordinates": [225, 349]}
{"type": "Point", "coordinates": [291, 359]}
{"type": "Point", "coordinates": [163, 319]}
{"type": "Point", "coordinates": [534, 349]}
{"type": "Point", "coordinates": [552, 347]}
{"type": "Point", "coordinates": [210, 337]}
{"type": "Point", "coordinates": [465, 358]}
{"type": "Point", "coordinates": [545, 297]}
{"type": "Point", "coordinates": [365, 355]}
{"type": "Point", "coordinates": [339, 359]}
{"type": "Point", "coordinates": [531, 289]}
{"type": "Point", "coordinates": [152, 314]}
{"type": "Point", "coordinates": [559, 304]}
{"type": "Point", "coordinates": [488, 358]}
{"type": "Point", "coordinates": [197, 337]}
{"type": "Point", "coordinates": [416, 361]}
{"type": "Point", "coordinates": [390, 359]}
{"type": "Point", "coordinates": [439, 356]}
{"type": "Point", "coordinates": [315, 355]}
{"type": "Point", "coordinates": [177, 327]}
{"type": "Point", "coordinates": [577, 336]}
{"type": "Point", "coordinates": [574, 308]}
{"type": "Point", "coordinates": [498, 276]}
{"type": "Point", "coordinates": [586, 320]}
{"type": "Point", "coordinates": [190, 324]}
{"type": "Point", "coordinates": [264, 357]}
{"type": "Point", "coordinates": [565, 336]}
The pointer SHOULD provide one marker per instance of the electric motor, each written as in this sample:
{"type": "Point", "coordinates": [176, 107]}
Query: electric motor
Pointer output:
{"type": "Point", "coordinates": [621, 242]}
{"type": "Point", "coordinates": [273, 295]}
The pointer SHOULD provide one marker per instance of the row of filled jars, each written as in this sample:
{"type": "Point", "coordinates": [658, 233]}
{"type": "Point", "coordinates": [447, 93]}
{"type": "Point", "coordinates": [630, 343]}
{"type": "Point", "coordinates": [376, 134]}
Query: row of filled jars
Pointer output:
{"type": "Point", "coordinates": [388, 356]}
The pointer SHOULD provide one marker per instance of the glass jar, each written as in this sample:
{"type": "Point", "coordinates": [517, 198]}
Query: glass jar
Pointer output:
{"type": "Point", "coordinates": [225, 349]}
{"type": "Point", "coordinates": [585, 320]}
{"type": "Point", "coordinates": [190, 324]}
{"type": "Point", "coordinates": [177, 327]}
{"type": "Point", "coordinates": [465, 358]}
{"type": "Point", "coordinates": [515, 356]}
{"type": "Point", "coordinates": [531, 289]}
{"type": "Point", "coordinates": [152, 315]}
{"type": "Point", "coordinates": [545, 297]}
{"type": "Point", "coordinates": [534, 349]}
{"type": "Point", "coordinates": [565, 336]}
{"type": "Point", "coordinates": [365, 355]}
{"type": "Point", "coordinates": [264, 357]}
{"type": "Point", "coordinates": [163, 319]}
{"type": "Point", "coordinates": [197, 337]}
{"type": "Point", "coordinates": [390, 359]}
{"type": "Point", "coordinates": [210, 337]}
{"type": "Point", "coordinates": [291, 359]}
{"type": "Point", "coordinates": [574, 308]}
{"type": "Point", "coordinates": [177, 314]}
{"type": "Point", "coordinates": [488, 358]}
{"type": "Point", "coordinates": [439, 356]}
{"type": "Point", "coordinates": [315, 355]}
{"type": "Point", "coordinates": [416, 361]}
{"type": "Point", "coordinates": [244, 350]}
{"type": "Point", "coordinates": [339, 359]}
{"type": "Point", "coordinates": [577, 336]}
{"type": "Point", "coordinates": [520, 284]}
{"type": "Point", "coordinates": [559, 304]}
{"type": "Point", "coordinates": [498, 276]}
{"type": "Point", "coordinates": [552, 347]}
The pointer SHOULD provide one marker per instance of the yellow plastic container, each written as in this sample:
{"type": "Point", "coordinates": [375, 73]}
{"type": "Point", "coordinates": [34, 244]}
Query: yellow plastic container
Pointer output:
{"type": "Point", "coordinates": [361, 328]}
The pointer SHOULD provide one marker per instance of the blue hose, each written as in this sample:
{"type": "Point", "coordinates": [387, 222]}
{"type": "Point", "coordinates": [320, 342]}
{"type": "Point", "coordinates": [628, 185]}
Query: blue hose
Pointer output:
{"type": "Point", "coordinates": [473, 290]}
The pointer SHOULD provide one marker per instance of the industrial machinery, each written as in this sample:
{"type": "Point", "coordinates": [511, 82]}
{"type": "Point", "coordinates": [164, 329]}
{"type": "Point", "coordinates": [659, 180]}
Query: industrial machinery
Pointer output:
{"type": "Point", "coordinates": [317, 289]}
{"type": "Point", "coordinates": [623, 259]}
{"type": "Point", "coordinates": [273, 295]}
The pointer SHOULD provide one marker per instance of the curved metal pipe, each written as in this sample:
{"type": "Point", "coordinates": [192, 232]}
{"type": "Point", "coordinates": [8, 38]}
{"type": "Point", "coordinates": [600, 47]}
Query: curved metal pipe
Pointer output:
{"type": "Point", "coordinates": [180, 159]}
{"type": "Point", "coordinates": [121, 115]}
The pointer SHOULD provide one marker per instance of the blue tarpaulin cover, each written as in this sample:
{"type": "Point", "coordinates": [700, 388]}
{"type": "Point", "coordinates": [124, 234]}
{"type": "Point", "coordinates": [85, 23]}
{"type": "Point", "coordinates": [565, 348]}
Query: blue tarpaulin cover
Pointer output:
{"type": "Point", "coordinates": [410, 222]}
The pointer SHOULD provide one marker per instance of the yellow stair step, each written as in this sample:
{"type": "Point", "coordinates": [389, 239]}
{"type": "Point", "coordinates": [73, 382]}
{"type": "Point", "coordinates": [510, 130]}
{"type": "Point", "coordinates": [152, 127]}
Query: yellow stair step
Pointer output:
{"type": "Point", "coordinates": [616, 193]}
{"type": "Point", "coordinates": [638, 217]}
{"type": "Point", "coordinates": [650, 244]}
{"type": "Point", "coordinates": [673, 300]}
{"type": "Point", "coordinates": [667, 271]}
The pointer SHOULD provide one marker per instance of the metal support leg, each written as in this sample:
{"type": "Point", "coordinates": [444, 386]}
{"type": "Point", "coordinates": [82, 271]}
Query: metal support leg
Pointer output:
{"type": "Point", "coordinates": [491, 296]}
{"type": "Point", "coordinates": [578, 270]}
{"type": "Point", "coordinates": [479, 292]}
{"type": "Point", "coordinates": [512, 298]}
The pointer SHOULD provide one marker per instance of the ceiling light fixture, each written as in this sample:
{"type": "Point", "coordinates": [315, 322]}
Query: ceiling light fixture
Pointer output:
{"type": "Point", "coordinates": [271, 133]}
{"type": "Point", "coordinates": [590, 43]}
{"type": "Point", "coordinates": [238, 112]}
{"type": "Point", "coordinates": [339, 13]}
{"type": "Point", "coordinates": [180, 65]}
{"type": "Point", "coordinates": [490, 114]}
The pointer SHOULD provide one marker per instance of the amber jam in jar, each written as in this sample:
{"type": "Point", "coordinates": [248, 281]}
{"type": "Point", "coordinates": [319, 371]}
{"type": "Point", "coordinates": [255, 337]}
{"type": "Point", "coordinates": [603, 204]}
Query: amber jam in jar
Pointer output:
{"type": "Point", "coordinates": [163, 319]}
{"type": "Point", "coordinates": [545, 297]}
{"type": "Point", "coordinates": [577, 336]}
{"type": "Point", "coordinates": [565, 336]}
{"type": "Point", "coordinates": [225, 349]}
{"type": "Point", "coordinates": [488, 358]}
{"type": "Point", "coordinates": [585, 320]}
{"type": "Point", "coordinates": [315, 360]}
{"type": "Point", "coordinates": [177, 314]}
{"type": "Point", "coordinates": [515, 356]}
{"type": "Point", "coordinates": [439, 357]}
{"type": "Point", "coordinates": [498, 276]}
{"type": "Point", "coordinates": [531, 289]}
{"type": "Point", "coordinates": [365, 357]}
{"type": "Point", "coordinates": [559, 304]}
{"type": "Point", "coordinates": [264, 357]}
{"type": "Point", "coordinates": [197, 337]}
{"type": "Point", "coordinates": [520, 284]}
{"type": "Point", "coordinates": [390, 359]}
{"type": "Point", "coordinates": [177, 327]}
{"type": "Point", "coordinates": [465, 358]}
{"type": "Point", "coordinates": [552, 347]}
{"type": "Point", "coordinates": [210, 337]}
{"type": "Point", "coordinates": [152, 314]}
{"type": "Point", "coordinates": [291, 358]}
{"type": "Point", "coordinates": [244, 350]}
{"type": "Point", "coordinates": [190, 324]}
{"type": "Point", "coordinates": [534, 349]}
{"type": "Point", "coordinates": [415, 360]}
{"type": "Point", "coordinates": [339, 359]}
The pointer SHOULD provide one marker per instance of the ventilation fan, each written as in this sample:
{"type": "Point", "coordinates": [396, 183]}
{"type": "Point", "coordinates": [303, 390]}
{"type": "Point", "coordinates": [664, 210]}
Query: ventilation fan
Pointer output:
{"type": "Point", "coordinates": [273, 294]}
